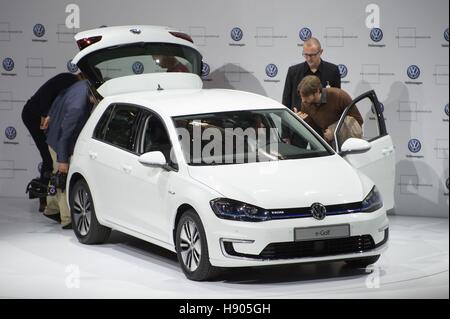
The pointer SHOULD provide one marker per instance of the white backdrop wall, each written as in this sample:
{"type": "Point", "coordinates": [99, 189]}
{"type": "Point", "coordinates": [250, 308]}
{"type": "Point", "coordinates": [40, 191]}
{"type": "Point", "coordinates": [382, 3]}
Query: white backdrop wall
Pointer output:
{"type": "Point", "coordinates": [415, 32]}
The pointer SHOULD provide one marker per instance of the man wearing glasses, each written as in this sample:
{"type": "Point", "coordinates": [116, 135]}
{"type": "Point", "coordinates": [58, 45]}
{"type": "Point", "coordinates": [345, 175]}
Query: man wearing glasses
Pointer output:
{"type": "Point", "coordinates": [328, 73]}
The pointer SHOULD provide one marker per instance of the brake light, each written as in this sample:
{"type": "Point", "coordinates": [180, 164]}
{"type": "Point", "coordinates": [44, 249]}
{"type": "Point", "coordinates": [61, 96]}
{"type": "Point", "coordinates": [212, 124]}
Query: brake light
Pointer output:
{"type": "Point", "coordinates": [183, 36]}
{"type": "Point", "coordinates": [84, 43]}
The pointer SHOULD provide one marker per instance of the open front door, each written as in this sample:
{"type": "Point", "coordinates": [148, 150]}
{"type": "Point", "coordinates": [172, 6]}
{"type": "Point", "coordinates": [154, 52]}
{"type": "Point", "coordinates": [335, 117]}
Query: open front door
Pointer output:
{"type": "Point", "coordinates": [379, 162]}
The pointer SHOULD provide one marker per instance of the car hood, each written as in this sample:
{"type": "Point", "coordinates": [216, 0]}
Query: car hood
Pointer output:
{"type": "Point", "coordinates": [328, 180]}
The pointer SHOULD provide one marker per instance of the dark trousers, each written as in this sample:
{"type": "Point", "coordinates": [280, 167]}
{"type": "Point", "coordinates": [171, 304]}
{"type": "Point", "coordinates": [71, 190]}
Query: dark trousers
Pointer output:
{"type": "Point", "coordinates": [32, 121]}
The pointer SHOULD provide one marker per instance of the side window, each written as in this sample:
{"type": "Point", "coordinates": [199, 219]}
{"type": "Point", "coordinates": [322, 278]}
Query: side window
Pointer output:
{"type": "Point", "coordinates": [100, 129]}
{"type": "Point", "coordinates": [373, 125]}
{"type": "Point", "coordinates": [122, 126]}
{"type": "Point", "coordinates": [155, 137]}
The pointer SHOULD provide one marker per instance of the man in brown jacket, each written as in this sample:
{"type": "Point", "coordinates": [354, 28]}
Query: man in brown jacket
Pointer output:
{"type": "Point", "coordinates": [323, 107]}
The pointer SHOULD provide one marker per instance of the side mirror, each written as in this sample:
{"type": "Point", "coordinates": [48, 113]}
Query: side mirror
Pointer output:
{"type": "Point", "coordinates": [153, 159]}
{"type": "Point", "coordinates": [355, 146]}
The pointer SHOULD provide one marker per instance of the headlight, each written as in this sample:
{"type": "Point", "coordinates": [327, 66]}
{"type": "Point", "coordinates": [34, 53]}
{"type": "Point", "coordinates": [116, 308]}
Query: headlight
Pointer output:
{"type": "Point", "coordinates": [372, 202]}
{"type": "Point", "coordinates": [235, 210]}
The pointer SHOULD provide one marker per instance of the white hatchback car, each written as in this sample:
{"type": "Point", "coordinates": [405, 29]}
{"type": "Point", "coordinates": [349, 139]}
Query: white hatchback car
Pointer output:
{"type": "Point", "coordinates": [223, 178]}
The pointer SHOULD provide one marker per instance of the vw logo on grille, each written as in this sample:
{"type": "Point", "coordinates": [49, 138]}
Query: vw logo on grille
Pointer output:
{"type": "Point", "coordinates": [446, 36]}
{"type": "Point", "coordinates": [39, 30]}
{"type": "Point", "coordinates": [205, 69]}
{"type": "Point", "coordinates": [305, 34]}
{"type": "Point", "coordinates": [413, 72]}
{"type": "Point", "coordinates": [136, 31]}
{"type": "Point", "coordinates": [343, 71]}
{"type": "Point", "coordinates": [271, 70]}
{"type": "Point", "coordinates": [10, 133]}
{"type": "Point", "coordinates": [237, 34]}
{"type": "Point", "coordinates": [446, 109]}
{"type": "Point", "coordinates": [318, 211]}
{"type": "Point", "coordinates": [8, 64]}
{"type": "Point", "coordinates": [376, 34]}
{"type": "Point", "coordinates": [73, 68]}
{"type": "Point", "coordinates": [138, 67]}
{"type": "Point", "coordinates": [414, 145]}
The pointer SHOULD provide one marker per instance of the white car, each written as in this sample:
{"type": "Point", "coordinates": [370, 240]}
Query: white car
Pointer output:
{"type": "Point", "coordinates": [223, 178]}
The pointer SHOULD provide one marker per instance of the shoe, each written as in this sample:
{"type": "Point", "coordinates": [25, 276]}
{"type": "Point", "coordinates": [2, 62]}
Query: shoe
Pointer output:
{"type": "Point", "coordinates": [55, 217]}
{"type": "Point", "coordinates": [68, 226]}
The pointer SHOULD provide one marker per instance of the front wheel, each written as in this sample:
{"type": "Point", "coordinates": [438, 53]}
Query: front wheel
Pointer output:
{"type": "Point", "coordinates": [84, 221]}
{"type": "Point", "coordinates": [192, 248]}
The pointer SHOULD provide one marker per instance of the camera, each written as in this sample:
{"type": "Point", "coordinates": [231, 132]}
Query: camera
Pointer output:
{"type": "Point", "coordinates": [37, 188]}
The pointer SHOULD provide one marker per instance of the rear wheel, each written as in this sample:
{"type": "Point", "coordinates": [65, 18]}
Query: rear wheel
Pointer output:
{"type": "Point", "coordinates": [192, 248]}
{"type": "Point", "coordinates": [84, 221]}
{"type": "Point", "coordinates": [362, 262]}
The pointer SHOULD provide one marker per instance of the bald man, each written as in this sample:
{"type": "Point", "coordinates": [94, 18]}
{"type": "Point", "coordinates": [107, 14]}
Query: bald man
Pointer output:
{"type": "Point", "coordinates": [328, 73]}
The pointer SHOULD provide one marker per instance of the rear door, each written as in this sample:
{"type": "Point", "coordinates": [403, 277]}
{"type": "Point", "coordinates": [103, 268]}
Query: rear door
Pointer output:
{"type": "Point", "coordinates": [379, 162]}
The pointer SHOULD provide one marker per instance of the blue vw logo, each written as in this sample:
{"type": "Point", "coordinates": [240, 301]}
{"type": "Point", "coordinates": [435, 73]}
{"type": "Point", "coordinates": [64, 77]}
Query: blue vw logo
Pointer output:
{"type": "Point", "coordinates": [381, 108]}
{"type": "Point", "coordinates": [446, 36]}
{"type": "Point", "coordinates": [305, 34]}
{"type": "Point", "coordinates": [271, 70]}
{"type": "Point", "coordinates": [8, 64]}
{"type": "Point", "coordinates": [205, 69]}
{"type": "Point", "coordinates": [237, 34]}
{"type": "Point", "coordinates": [446, 109]}
{"type": "Point", "coordinates": [414, 145]}
{"type": "Point", "coordinates": [343, 71]}
{"type": "Point", "coordinates": [39, 30]}
{"type": "Point", "coordinates": [138, 67]}
{"type": "Point", "coordinates": [40, 167]}
{"type": "Point", "coordinates": [73, 68]}
{"type": "Point", "coordinates": [413, 72]}
{"type": "Point", "coordinates": [376, 34]}
{"type": "Point", "coordinates": [10, 133]}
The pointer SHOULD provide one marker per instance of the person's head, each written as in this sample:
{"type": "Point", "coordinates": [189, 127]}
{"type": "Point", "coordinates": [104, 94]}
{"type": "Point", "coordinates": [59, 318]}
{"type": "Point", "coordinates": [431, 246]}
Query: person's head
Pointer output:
{"type": "Point", "coordinates": [310, 89]}
{"type": "Point", "coordinates": [312, 52]}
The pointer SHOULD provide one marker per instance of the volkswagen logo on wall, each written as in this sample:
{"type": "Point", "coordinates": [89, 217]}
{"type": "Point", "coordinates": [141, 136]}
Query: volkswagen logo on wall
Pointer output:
{"type": "Point", "coordinates": [413, 72]}
{"type": "Point", "coordinates": [73, 68]}
{"type": "Point", "coordinates": [343, 71]}
{"type": "Point", "coordinates": [376, 34]}
{"type": "Point", "coordinates": [414, 145]}
{"type": "Point", "coordinates": [446, 36]}
{"type": "Point", "coordinates": [237, 34]}
{"type": "Point", "coordinates": [138, 67]}
{"type": "Point", "coordinates": [10, 133]}
{"type": "Point", "coordinates": [446, 109]}
{"type": "Point", "coordinates": [318, 211]}
{"type": "Point", "coordinates": [205, 69]}
{"type": "Point", "coordinates": [39, 30]}
{"type": "Point", "coordinates": [271, 70]}
{"type": "Point", "coordinates": [8, 64]}
{"type": "Point", "coordinates": [305, 34]}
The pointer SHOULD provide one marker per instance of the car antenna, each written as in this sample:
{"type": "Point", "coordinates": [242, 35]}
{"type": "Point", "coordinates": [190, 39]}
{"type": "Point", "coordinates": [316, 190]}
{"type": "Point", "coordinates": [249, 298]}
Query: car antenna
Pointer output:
{"type": "Point", "coordinates": [160, 88]}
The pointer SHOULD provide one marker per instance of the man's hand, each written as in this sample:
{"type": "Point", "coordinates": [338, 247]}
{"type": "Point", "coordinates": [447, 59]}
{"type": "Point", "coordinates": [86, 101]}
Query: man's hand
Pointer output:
{"type": "Point", "coordinates": [63, 167]}
{"type": "Point", "coordinates": [328, 135]}
{"type": "Point", "coordinates": [44, 122]}
{"type": "Point", "coordinates": [302, 115]}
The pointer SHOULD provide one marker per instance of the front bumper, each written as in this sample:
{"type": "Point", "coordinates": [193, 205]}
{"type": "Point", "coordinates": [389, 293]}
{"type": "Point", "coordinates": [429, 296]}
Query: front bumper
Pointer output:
{"type": "Point", "coordinates": [246, 244]}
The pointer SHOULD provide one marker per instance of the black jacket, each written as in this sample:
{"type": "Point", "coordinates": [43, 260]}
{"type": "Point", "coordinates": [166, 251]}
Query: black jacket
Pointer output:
{"type": "Point", "coordinates": [327, 72]}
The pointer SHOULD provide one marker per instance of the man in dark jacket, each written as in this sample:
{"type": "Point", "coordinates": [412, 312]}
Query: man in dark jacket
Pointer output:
{"type": "Point", "coordinates": [33, 114]}
{"type": "Point", "coordinates": [328, 73]}
{"type": "Point", "coordinates": [67, 116]}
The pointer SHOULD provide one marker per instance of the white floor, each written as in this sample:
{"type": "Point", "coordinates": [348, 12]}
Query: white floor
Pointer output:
{"type": "Point", "coordinates": [40, 260]}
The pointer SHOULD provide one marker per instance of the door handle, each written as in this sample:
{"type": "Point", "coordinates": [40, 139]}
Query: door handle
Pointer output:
{"type": "Point", "coordinates": [92, 155]}
{"type": "Point", "coordinates": [127, 169]}
{"type": "Point", "coordinates": [387, 151]}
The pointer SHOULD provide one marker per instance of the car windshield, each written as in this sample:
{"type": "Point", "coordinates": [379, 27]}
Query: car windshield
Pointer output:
{"type": "Point", "coordinates": [246, 136]}
{"type": "Point", "coordinates": [140, 58]}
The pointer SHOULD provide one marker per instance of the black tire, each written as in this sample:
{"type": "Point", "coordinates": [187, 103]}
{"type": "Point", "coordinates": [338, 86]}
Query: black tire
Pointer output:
{"type": "Point", "coordinates": [200, 269]}
{"type": "Point", "coordinates": [84, 221]}
{"type": "Point", "coordinates": [362, 262]}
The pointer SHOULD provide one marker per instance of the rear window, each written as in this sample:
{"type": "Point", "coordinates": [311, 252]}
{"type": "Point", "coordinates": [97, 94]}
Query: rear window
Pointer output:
{"type": "Point", "coordinates": [140, 58]}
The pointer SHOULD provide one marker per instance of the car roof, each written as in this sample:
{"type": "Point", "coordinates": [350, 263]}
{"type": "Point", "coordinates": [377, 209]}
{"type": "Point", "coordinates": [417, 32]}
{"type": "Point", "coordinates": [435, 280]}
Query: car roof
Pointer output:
{"type": "Point", "coordinates": [172, 103]}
